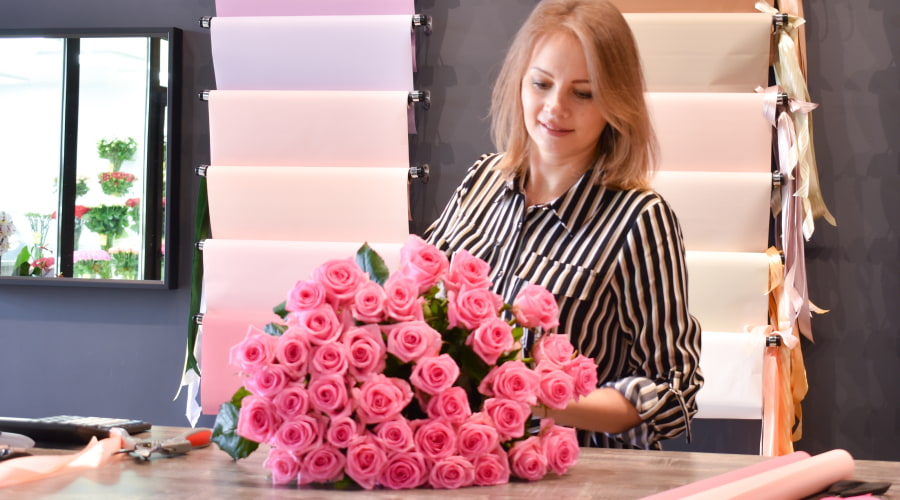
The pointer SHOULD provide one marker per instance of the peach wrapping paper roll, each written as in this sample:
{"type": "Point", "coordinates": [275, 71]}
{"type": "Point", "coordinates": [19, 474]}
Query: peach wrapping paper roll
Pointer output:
{"type": "Point", "coordinates": [313, 52]}
{"type": "Point", "coordinates": [711, 131]}
{"type": "Point", "coordinates": [312, 7]}
{"type": "Point", "coordinates": [703, 52]}
{"type": "Point", "coordinates": [732, 365]}
{"type": "Point", "coordinates": [727, 290]}
{"type": "Point", "coordinates": [308, 203]}
{"type": "Point", "coordinates": [790, 482]}
{"type": "Point", "coordinates": [720, 212]}
{"type": "Point", "coordinates": [308, 128]}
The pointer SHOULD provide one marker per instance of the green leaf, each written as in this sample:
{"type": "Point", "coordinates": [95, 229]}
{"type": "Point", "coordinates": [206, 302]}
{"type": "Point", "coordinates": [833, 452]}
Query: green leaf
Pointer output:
{"type": "Point", "coordinates": [369, 261]}
{"type": "Point", "coordinates": [281, 310]}
{"type": "Point", "coordinates": [225, 429]}
{"type": "Point", "coordinates": [275, 329]}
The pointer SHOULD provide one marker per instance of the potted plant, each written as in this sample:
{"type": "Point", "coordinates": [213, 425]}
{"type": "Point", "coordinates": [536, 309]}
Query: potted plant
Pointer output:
{"type": "Point", "coordinates": [116, 151]}
{"type": "Point", "coordinates": [109, 221]}
{"type": "Point", "coordinates": [124, 262]}
{"type": "Point", "coordinates": [116, 183]}
{"type": "Point", "coordinates": [91, 264]}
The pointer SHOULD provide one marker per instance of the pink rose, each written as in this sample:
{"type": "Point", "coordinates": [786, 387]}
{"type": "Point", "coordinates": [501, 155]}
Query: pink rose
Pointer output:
{"type": "Point", "coordinates": [366, 459]}
{"type": "Point", "coordinates": [366, 349]}
{"type": "Point", "coordinates": [413, 340]}
{"type": "Point", "coordinates": [258, 419]}
{"type": "Point", "coordinates": [423, 263]}
{"type": "Point", "coordinates": [268, 381]}
{"type": "Point", "coordinates": [491, 339]}
{"type": "Point", "coordinates": [381, 398]}
{"type": "Point", "coordinates": [299, 434]}
{"type": "Point", "coordinates": [536, 307]}
{"type": "Point", "coordinates": [528, 460]}
{"type": "Point", "coordinates": [508, 416]}
{"type": "Point", "coordinates": [340, 278]}
{"type": "Point", "coordinates": [452, 473]}
{"type": "Point", "coordinates": [368, 303]}
{"type": "Point", "coordinates": [292, 401]}
{"type": "Point", "coordinates": [492, 468]}
{"type": "Point", "coordinates": [322, 464]}
{"type": "Point", "coordinates": [471, 307]}
{"type": "Point", "coordinates": [396, 435]}
{"type": "Point", "coordinates": [329, 359]}
{"type": "Point", "coordinates": [321, 324]}
{"type": "Point", "coordinates": [436, 439]}
{"type": "Point", "coordinates": [452, 404]}
{"type": "Point", "coordinates": [467, 271]}
{"type": "Point", "coordinates": [555, 349]}
{"type": "Point", "coordinates": [559, 445]}
{"type": "Point", "coordinates": [511, 380]}
{"type": "Point", "coordinates": [556, 387]}
{"type": "Point", "coordinates": [328, 394]}
{"type": "Point", "coordinates": [435, 374]}
{"type": "Point", "coordinates": [292, 352]}
{"type": "Point", "coordinates": [402, 300]}
{"type": "Point", "coordinates": [305, 295]}
{"type": "Point", "coordinates": [584, 374]}
{"type": "Point", "coordinates": [341, 431]}
{"type": "Point", "coordinates": [474, 439]}
{"type": "Point", "coordinates": [254, 352]}
{"type": "Point", "coordinates": [405, 471]}
{"type": "Point", "coordinates": [283, 464]}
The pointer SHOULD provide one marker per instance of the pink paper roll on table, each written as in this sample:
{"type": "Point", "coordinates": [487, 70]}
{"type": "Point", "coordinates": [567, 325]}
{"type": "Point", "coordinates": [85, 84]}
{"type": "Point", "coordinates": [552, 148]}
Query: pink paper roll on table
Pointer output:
{"type": "Point", "coordinates": [308, 203]}
{"type": "Point", "coordinates": [308, 128]}
{"type": "Point", "coordinates": [719, 212]}
{"type": "Point", "coordinates": [312, 7]}
{"type": "Point", "coordinates": [711, 131]}
{"type": "Point", "coordinates": [727, 290]}
{"type": "Point", "coordinates": [313, 52]}
{"type": "Point", "coordinates": [703, 52]}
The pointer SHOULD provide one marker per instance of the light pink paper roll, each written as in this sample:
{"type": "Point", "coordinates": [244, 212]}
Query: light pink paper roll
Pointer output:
{"type": "Point", "coordinates": [790, 482]}
{"type": "Point", "coordinates": [312, 7]}
{"type": "Point", "coordinates": [703, 52]}
{"type": "Point", "coordinates": [732, 366]}
{"type": "Point", "coordinates": [308, 203]}
{"type": "Point", "coordinates": [309, 128]}
{"type": "Point", "coordinates": [727, 290]}
{"type": "Point", "coordinates": [711, 131]}
{"type": "Point", "coordinates": [312, 52]}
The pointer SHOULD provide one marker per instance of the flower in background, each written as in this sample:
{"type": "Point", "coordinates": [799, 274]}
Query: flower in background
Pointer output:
{"type": "Point", "coordinates": [124, 262]}
{"type": "Point", "coordinates": [7, 229]}
{"type": "Point", "coordinates": [421, 384]}
{"type": "Point", "coordinates": [40, 225]}
{"type": "Point", "coordinates": [43, 266]}
{"type": "Point", "coordinates": [110, 221]}
{"type": "Point", "coordinates": [134, 211]}
{"type": "Point", "coordinates": [91, 264]}
{"type": "Point", "coordinates": [116, 183]}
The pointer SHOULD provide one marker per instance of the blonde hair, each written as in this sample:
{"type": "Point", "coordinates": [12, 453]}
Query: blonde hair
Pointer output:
{"type": "Point", "coordinates": [626, 150]}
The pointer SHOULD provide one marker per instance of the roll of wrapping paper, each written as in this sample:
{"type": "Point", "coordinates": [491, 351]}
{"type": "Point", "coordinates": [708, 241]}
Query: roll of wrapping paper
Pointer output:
{"type": "Point", "coordinates": [308, 128]}
{"type": "Point", "coordinates": [727, 290]}
{"type": "Point", "coordinates": [720, 212]}
{"type": "Point", "coordinates": [711, 131]}
{"type": "Point", "coordinates": [308, 203]}
{"type": "Point", "coordinates": [701, 52]}
{"type": "Point", "coordinates": [312, 7]}
{"type": "Point", "coordinates": [732, 366]}
{"type": "Point", "coordinates": [313, 52]}
{"type": "Point", "coordinates": [745, 6]}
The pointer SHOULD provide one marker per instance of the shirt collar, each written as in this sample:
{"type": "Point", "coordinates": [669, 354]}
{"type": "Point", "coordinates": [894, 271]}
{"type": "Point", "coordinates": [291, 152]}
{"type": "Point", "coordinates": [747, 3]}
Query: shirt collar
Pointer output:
{"type": "Point", "coordinates": [573, 207]}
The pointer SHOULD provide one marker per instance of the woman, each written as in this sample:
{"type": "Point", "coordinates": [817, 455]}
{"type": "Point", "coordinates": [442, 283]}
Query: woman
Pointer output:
{"type": "Point", "coordinates": [567, 206]}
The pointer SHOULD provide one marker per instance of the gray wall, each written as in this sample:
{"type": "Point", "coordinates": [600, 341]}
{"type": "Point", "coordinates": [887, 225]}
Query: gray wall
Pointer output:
{"type": "Point", "coordinates": [119, 352]}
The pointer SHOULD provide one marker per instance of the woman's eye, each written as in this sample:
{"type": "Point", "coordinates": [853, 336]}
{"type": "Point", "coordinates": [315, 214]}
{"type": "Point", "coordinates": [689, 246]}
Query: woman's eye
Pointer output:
{"type": "Point", "coordinates": [583, 95]}
{"type": "Point", "coordinates": [538, 84]}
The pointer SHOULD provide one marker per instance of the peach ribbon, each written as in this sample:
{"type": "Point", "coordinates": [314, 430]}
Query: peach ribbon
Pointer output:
{"type": "Point", "coordinates": [95, 454]}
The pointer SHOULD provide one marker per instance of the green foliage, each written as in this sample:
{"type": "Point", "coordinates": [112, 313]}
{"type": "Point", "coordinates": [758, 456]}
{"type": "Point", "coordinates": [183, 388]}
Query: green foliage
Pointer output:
{"type": "Point", "coordinates": [116, 150]}
{"type": "Point", "coordinates": [111, 220]}
{"type": "Point", "coordinates": [372, 263]}
{"type": "Point", "coordinates": [225, 430]}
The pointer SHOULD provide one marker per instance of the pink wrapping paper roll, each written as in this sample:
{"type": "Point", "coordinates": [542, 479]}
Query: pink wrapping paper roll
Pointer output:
{"type": "Point", "coordinates": [790, 482]}
{"type": "Point", "coordinates": [312, 7]}
{"type": "Point", "coordinates": [313, 52]}
{"type": "Point", "coordinates": [703, 52]}
{"type": "Point", "coordinates": [719, 212]}
{"type": "Point", "coordinates": [685, 5]}
{"type": "Point", "coordinates": [308, 203]}
{"type": "Point", "coordinates": [727, 290]}
{"type": "Point", "coordinates": [711, 131]}
{"type": "Point", "coordinates": [308, 128]}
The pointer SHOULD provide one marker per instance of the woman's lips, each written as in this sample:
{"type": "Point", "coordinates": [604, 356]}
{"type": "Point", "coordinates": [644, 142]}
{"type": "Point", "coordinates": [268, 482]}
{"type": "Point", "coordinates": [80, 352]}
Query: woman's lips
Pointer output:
{"type": "Point", "coordinates": [554, 130]}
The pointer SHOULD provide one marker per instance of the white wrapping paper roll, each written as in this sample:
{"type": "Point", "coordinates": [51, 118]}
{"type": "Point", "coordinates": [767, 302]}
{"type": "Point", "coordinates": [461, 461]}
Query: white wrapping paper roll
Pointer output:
{"type": "Point", "coordinates": [719, 212]}
{"type": "Point", "coordinates": [312, 7]}
{"type": "Point", "coordinates": [313, 52]}
{"type": "Point", "coordinates": [732, 366]}
{"type": "Point", "coordinates": [308, 128]}
{"type": "Point", "coordinates": [711, 131]}
{"type": "Point", "coordinates": [308, 203]}
{"type": "Point", "coordinates": [703, 52]}
{"type": "Point", "coordinates": [727, 290]}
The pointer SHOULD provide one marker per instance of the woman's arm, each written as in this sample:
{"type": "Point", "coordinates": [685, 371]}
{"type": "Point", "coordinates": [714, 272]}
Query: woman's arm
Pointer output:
{"type": "Point", "coordinates": [604, 410]}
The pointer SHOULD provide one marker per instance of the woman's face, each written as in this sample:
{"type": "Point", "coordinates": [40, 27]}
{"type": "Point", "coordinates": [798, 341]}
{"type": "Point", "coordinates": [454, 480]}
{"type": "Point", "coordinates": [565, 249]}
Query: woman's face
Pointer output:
{"type": "Point", "coordinates": [563, 119]}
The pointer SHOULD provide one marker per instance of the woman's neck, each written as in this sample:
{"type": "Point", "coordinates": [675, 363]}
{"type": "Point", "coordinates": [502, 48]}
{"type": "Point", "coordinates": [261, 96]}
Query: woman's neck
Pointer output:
{"type": "Point", "coordinates": [545, 182]}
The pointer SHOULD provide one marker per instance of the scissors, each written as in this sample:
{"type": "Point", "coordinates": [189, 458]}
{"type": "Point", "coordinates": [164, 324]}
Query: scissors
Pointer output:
{"type": "Point", "coordinates": [183, 443]}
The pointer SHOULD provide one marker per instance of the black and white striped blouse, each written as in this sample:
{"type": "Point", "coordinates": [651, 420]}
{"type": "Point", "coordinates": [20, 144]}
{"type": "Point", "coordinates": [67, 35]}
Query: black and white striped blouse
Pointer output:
{"type": "Point", "coordinates": [615, 262]}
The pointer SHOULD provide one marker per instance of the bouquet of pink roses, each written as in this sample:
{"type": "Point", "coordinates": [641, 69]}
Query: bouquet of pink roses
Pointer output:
{"type": "Point", "coordinates": [405, 379]}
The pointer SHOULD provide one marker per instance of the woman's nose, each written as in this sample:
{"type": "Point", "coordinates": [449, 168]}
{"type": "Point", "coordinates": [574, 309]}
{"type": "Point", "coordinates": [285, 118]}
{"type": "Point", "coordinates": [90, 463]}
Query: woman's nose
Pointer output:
{"type": "Point", "coordinates": [555, 102]}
